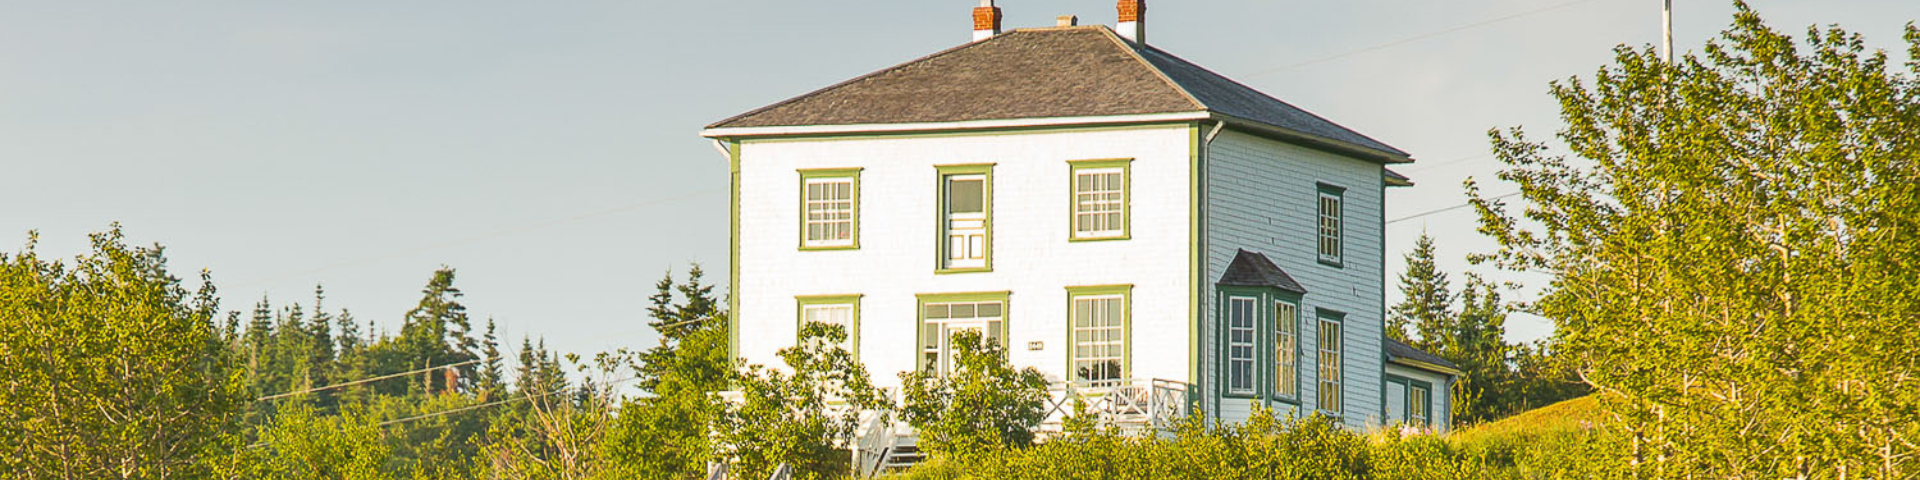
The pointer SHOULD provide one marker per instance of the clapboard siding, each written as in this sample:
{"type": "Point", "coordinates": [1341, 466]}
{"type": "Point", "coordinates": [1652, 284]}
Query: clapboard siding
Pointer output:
{"type": "Point", "coordinates": [1261, 196]}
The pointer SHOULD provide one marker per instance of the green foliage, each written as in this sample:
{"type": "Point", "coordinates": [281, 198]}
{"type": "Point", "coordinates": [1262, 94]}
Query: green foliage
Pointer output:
{"type": "Point", "coordinates": [1265, 447]}
{"type": "Point", "coordinates": [1498, 378]}
{"type": "Point", "coordinates": [983, 403]}
{"type": "Point", "coordinates": [112, 368]}
{"type": "Point", "coordinates": [668, 434]}
{"type": "Point", "coordinates": [1733, 251]}
{"type": "Point", "coordinates": [300, 444]}
{"type": "Point", "coordinates": [802, 418]}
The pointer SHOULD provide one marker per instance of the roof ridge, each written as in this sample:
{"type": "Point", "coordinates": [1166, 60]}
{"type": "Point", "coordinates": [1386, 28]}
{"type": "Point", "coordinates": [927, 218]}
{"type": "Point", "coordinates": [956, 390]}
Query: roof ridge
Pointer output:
{"type": "Point", "coordinates": [853, 80]}
{"type": "Point", "coordinates": [1132, 52]}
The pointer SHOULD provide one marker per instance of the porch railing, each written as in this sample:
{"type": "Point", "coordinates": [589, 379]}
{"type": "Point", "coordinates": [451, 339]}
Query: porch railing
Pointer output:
{"type": "Point", "coordinates": [1136, 406]}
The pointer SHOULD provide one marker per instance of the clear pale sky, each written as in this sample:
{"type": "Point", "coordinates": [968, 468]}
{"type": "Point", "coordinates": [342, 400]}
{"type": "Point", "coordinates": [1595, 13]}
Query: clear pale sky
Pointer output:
{"type": "Point", "coordinates": [549, 150]}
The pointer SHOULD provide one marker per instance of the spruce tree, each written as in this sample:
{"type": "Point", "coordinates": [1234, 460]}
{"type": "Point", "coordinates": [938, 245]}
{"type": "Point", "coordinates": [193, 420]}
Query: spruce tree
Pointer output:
{"type": "Point", "coordinates": [1428, 304]}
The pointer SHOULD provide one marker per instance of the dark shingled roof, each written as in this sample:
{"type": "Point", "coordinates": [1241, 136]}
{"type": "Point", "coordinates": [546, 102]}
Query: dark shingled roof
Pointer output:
{"type": "Point", "coordinates": [1042, 73]}
{"type": "Point", "coordinates": [1252, 269]}
{"type": "Point", "coordinates": [1397, 350]}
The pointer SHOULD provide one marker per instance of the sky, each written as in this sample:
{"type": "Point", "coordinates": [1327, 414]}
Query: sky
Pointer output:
{"type": "Point", "coordinates": [549, 151]}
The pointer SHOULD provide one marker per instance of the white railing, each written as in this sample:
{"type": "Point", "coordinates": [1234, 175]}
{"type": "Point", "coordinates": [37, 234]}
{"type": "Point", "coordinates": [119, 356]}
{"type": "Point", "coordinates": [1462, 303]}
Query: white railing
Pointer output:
{"type": "Point", "coordinates": [872, 442]}
{"type": "Point", "coordinates": [1135, 406]}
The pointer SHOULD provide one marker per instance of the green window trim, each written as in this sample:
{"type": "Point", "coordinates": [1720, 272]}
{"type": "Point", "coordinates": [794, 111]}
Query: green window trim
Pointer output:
{"type": "Point", "coordinates": [1074, 167]}
{"type": "Point", "coordinates": [1265, 299]}
{"type": "Point", "coordinates": [1407, 385]}
{"type": "Point", "coordinates": [1126, 325]}
{"type": "Point", "coordinates": [853, 324]}
{"type": "Point", "coordinates": [1321, 317]}
{"type": "Point", "coordinates": [941, 224]}
{"type": "Point", "coordinates": [920, 316]}
{"type": "Point", "coordinates": [851, 174]}
{"type": "Point", "coordinates": [1334, 254]}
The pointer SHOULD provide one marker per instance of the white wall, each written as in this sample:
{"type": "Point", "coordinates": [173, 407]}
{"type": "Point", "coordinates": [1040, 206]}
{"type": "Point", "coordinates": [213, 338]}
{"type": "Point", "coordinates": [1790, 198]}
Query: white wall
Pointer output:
{"type": "Point", "coordinates": [1031, 255]}
{"type": "Point", "coordinates": [1262, 197]}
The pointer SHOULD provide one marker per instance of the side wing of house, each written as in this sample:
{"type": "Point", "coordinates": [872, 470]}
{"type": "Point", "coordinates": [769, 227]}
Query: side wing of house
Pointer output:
{"type": "Point", "coordinates": [1319, 217]}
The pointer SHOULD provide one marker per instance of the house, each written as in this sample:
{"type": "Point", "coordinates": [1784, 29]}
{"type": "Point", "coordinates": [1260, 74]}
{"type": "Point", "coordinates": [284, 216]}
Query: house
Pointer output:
{"type": "Point", "coordinates": [1138, 227]}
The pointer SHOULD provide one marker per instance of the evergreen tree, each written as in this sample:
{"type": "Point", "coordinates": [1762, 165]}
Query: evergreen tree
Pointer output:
{"type": "Point", "coordinates": [1428, 303]}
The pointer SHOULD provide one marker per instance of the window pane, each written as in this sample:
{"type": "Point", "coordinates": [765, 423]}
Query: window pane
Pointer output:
{"type": "Point", "coordinates": [937, 311]}
{"type": "Point", "coordinates": [988, 310]}
{"type": "Point", "coordinates": [966, 195]}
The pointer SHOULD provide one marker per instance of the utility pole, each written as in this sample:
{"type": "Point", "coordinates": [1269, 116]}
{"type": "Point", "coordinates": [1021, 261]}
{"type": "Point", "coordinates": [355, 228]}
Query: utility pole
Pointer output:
{"type": "Point", "coordinates": [1666, 32]}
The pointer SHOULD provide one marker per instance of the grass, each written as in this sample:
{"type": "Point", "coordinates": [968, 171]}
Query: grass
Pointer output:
{"type": "Point", "coordinates": [1570, 415]}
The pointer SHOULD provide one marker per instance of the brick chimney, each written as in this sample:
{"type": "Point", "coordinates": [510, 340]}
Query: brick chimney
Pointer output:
{"type": "Point", "coordinates": [1133, 21]}
{"type": "Point", "coordinates": [986, 21]}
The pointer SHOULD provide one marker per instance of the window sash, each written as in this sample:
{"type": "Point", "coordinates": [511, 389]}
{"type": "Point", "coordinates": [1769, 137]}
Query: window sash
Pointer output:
{"type": "Point", "coordinates": [1240, 345]}
{"type": "Point", "coordinates": [1331, 369]}
{"type": "Point", "coordinates": [1331, 224]}
{"type": "Point", "coordinates": [1418, 402]}
{"type": "Point", "coordinates": [829, 209]}
{"type": "Point", "coordinates": [943, 319]}
{"type": "Point", "coordinates": [1286, 350]}
{"type": "Point", "coordinates": [1099, 338]}
{"type": "Point", "coordinates": [1099, 202]}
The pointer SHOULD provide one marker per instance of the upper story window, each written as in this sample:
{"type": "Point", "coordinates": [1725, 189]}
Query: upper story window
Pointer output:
{"type": "Point", "coordinates": [829, 209]}
{"type": "Point", "coordinates": [1100, 199]}
{"type": "Point", "coordinates": [1098, 354]}
{"type": "Point", "coordinates": [1332, 372]}
{"type": "Point", "coordinates": [838, 310]}
{"type": "Point", "coordinates": [1332, 243]}
{"type": "Point", "coordinates": [966, 218]}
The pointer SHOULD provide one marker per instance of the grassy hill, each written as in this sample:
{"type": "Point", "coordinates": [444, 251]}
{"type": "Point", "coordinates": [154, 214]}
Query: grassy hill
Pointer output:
{"type": "Point", "coordinates": [1569, 415]}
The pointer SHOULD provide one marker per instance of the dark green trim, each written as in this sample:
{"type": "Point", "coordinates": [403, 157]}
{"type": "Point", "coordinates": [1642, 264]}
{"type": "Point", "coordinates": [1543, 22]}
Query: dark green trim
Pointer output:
{"type": "Point", "coordinates": [1264, 327]}
{"type": "Point", "coordinates": [920, 317]}
{"type": "Point", "coordinates": [813, 173]}
{"type": "Point", "coordinates": [1126, 324]}
{"type": "Point", "coordinates": [733, 255]}
{"type": "Point", "coordinates": [1407, 384]}
{"type": "Point", "coordinates": [940, 213]}
{"type": "Point", "coordinates": [1340, 193]}
{"type": "Point", "coordinates": [1126, 197]}
{"type": "Point", "coordinates": [1225, 296]}
{"type": "Point", "coordinates": [853, 330]}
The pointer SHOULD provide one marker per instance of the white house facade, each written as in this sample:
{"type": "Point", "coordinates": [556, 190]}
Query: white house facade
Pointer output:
{"type": "Point", "coordinates": [1116, 216]}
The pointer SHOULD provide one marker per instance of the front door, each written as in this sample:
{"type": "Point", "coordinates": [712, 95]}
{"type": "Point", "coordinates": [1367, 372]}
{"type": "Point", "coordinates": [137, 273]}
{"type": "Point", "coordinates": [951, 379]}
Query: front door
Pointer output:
{"type": "Point", "coordinates": [943, 320]}
{"type": "Point", "coordinates": [966, 221]}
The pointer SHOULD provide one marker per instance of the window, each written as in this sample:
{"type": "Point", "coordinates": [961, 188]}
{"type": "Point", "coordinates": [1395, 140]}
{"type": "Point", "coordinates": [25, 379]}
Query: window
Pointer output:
{"type": "Point", "coordinates": [1331, 370]}
{"type": "Point", "coordinates": [829, 209]}
{"type": "Point", "coordinates": [1100, 197]}
{"type": "Point", "coordinates": [1286, 349]}
{"type": "Point", "coordinates": [1240, 349]}
{"type": "Point", "coordinates": [966, 218]}
{"type": "Point", "coordinates": [1409, 401]}
{"type": "Point", "coordinates": [1418, 404]}
{"type": "Point", "coordinates": [842, 310]}
{"type": "Point", "coordinates": [941, 316]}
{"type": "Point", "coordinates": [1332, 224]}
{"type": "Point", "coordinates": [1099, 333]}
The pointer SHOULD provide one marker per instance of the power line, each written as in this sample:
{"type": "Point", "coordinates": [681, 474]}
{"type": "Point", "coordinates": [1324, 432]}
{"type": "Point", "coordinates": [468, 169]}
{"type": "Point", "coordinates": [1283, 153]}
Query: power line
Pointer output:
{"type": "Point", "coordinates": [484, 236]}
{"type": "Point", "coordinates": [1423, 36]}
{"type": "Point", "coordinates": [361, 381]}
{"type": "Point", "coordinates": [496, 403]}
{"type": "Point", "coordinates": [1421, 167]}
{"type": "Point", "coordinates": [1444, 210]}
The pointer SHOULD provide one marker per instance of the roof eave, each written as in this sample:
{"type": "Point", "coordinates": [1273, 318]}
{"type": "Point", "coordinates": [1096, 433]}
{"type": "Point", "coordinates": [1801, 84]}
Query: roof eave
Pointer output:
{"type": "Point", "coordinates": [1428, 366]}
{"type": "Point", "coordinates": [930, 127]}
{"type": "Point", "coordinates": [1314, 141]}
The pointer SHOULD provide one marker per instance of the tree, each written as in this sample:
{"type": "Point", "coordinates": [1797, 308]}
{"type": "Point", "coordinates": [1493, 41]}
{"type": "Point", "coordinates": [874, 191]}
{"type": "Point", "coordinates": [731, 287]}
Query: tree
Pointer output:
{"type": "Point", "coordinates": [299, 444]}
{"type": "Point", "coordinates": [1428, 303]}
{"type": "Point", "coordinates": [667, 434]}
{"type": "Point", "coordinates": [1732, 245]}
{"type": "Point", "coordinates": [111, 368]}
{"type": "Point", "coordinates": [803, 418]}
{"type": "Point", "coordinates": [983, 403]}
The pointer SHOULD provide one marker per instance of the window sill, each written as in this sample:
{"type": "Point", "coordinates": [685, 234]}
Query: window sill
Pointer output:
{"type": "Point", "coordinates": [948, 271]}
{"type": "Point", "coordinates": [1114, 238]}
{"type": "Point", "coordinates": [819, 248]}
{"type": "Point", "coordinates": [1333, 263]}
